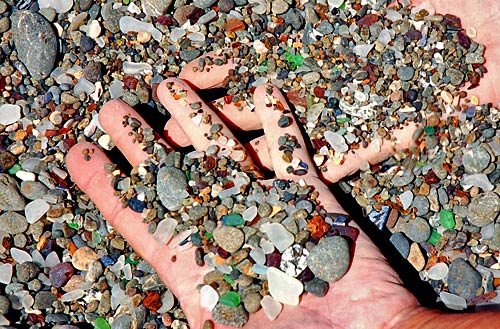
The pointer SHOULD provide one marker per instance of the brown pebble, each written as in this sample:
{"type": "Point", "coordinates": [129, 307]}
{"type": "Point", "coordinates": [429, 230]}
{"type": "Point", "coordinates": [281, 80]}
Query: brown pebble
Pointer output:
{"type": "Point", "coordinates": [83, 257]}
{"type": "Point", "coordinates": [208, 324]}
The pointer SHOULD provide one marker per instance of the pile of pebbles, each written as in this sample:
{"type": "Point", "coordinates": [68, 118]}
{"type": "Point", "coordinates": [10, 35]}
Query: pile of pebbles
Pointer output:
{"type": "Point", "coordinates": [353, 70]}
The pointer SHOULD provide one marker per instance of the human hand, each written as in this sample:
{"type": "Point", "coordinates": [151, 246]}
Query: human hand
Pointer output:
{"type": "Point", "coordinates": [352, 301]}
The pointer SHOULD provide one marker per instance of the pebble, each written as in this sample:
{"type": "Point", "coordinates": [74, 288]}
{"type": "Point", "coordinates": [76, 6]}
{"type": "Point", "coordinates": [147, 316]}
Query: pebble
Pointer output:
{"type": "Point", "coordinates": [452, 301]}
{"type": "Point", "coordinates": [406, 73]}
{"type": "Point", "coordinates": [283, 287]}
{"type": "Point", "coordinates": [438, 271]}
{"type": "Point", "coordinates": [208, 297]}
{"type": "Point", "coordinates": [316, 287]}
{"type": "Point", "coordinates": [229, 238]}
{"type": "Point", "coordinates": [171, 187]}
{"type": "Point", "coordinates": [406, 199]}
{"type": "Point", "coordinates": [252, 302]}
{"type": "Point", "coordinates": [60, 6]}
{"type": "Point", "coordinates": [60, 274]}
{"type": "Point", "coordinates": [9, 114]}
{"type": "Point", "coordinates": [10, 199]}
{"type": "Point", "coordinates": [6, 271]}
{"type": "Point", "coordinates": [336, 141]}
{"type": "Point", "coordinates": [26, 271]}
{"type": "Point", "coordinates": [44, 300]}
{"type": "Point", "coordinates": [35, 210]}
{"type": "Point", "coordinates": [401, 243]}
{"type": "Point", "coordinates": [83, 257]}
{"type": "Point", "coordinates": [36, 43]}
{"type": "Point", "coordinates": [329, 259]}
{"type": "Point", "coordinates": [476, 159]}
{"type": "Point", "coordinates": [155, 8]}
{"type": "Point", "coordinates": [3, 7]}
{"type": "Point", "coordinates": [463, 279]}
{"type": "Point", "coordinates": [279, 235]}
{"type": "Point", "coordinates": [230, 316]}
{"type": "Point", "coordinates": [13, 223]}
{"type": "Point", "coordinates": [415, 257]}
{"type": "Point", "coordinates": [483, 209]}
{"type": "Point", "coordinates": [421, 204]}
{"type": "Point", "coordinates": [225, 6]}
{"type": "Point", "coordinates": [4, 305]}
{"type": "Point", "coordinates": [418, 230]}
{"type": "Point", "coordinates": [271, 307]}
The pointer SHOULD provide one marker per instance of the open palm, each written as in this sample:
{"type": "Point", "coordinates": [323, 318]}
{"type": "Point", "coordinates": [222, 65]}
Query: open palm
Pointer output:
{"type": "Point", "coordinates": [357, 299]}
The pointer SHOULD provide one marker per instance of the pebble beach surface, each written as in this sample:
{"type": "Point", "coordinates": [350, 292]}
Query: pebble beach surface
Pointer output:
{"type": "Point", "coordinates": [353, 70]}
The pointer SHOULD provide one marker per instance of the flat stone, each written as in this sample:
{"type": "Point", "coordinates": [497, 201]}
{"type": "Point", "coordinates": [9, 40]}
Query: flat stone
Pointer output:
{"type": "Point", "coordinates": [230, 316]}
{"type": "Point", "coordinates": [406, 73]}
{"type": "Point", "coordinates": [401, 243]}
{"type": "Point", "coordinates": [26, 271]}
{"type": "Point", "coordinates": [415, 257]}
{"type": "Point", "coordinates": [44, 300]}
{"type": "Point", "coordinates": [475, 159]}
{"type": "Point", "coordinates": [421, 203]}
{"type": "Point", "coordinates": [418, 230]}
{"type": "Point", "coordinates": [155, 8]}
{"type": "Point", "coordinates": [316, 287]}
{"type": "Point", "coordinates": [283, 287]}
{"type": "Point", "coordinates": [483, 209]}
{"type": "Point", "coordinates": [10, 199]}
{"type": "Point", "coordinates": [279, 235]}
{"type": "Point", "coordinates": [208, 297]}
{"type": "Point", "coordinates": [35, 210]}
{"type": "Point", "coordinates": [36, 42]}
{"type": "Point", "coordinates": [9, 113]}
{"type": "Point", "coordinates": [4, 305]}
{"type": "Point", "coordinates": [229, 238]}
{"type": "Point", "coordinates": [438, 271]}
{"type": "Point", "coordinates": [452, 301]}
{"type": "Point", "coordinates": [33, 190]}
{"type": "Point", "coordinates": [463, 279]}
{"type": "Point", "coordinates": [171, 187]}
{"type": "Point", "coordinates": [6, 271]}
{"type": "Point", "coordinates": [60, 274]}
{"type": "Point", "coordinates": [406, 199]}
{"type": "Point", "coordinates": [13, 223]}
{"type": "Point", "coordinates": [60, 6]}
{"type": "Point", "coordinates": [271, 307]}
{"type": "Point", "coordinates": [329, 259]}
{"type": "Point", "coordinates": [252, 302]}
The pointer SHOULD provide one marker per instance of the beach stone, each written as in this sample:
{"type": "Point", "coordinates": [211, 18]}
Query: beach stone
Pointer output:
{"type": "Point", "coordinates": [43, 300]}
{"type": "Point", "coordinates": [456, 76]}
{"type": "Point", "coordinates": [155, 8]}
{"type": "Point", "coordinates": [26, 271]}
{"type": "Point", "coordinates": [4, 304]}
{"type": "Point", "coordinates": [251, 302]}
{"type": "Point", "coordinates": [93, 72]}
{"type": "Point", "coordinates": [7, 159]}
{"type": "Point", "coordinates": [438, 271]}
{"type": "Point", "coordinates": [294, 18]}
{"type": "Point", "coordinates": [418, 230]}
{"type": "Point", "coordinates": [422, 204]}
{"type": "Point", "coordinates": [415, 257]}
{"type": "Point", "coordinates": [3, 7]}
{"type": "Point", "coordinates": [483, 209]}
{"type": "Point", "coordinates": [229, 238]}
{"type": "Point", "coordinates": [85, 4]}
{"type": "Point", "coordinates": [13, 223]}
{"type": "Point", "coordinates": [36, 42]}
{"type": "Point", "coordinates": [316, 287]}
{"type": "Point", "coordinates": [6, 273]}
{"type": "Point", "coordinates": [9, 114]}
{"type": "Point", "coordinates": [4, 24]}
{"type": "Point", "coordinates": [463, 279]}
{"type": "Point", "coordinates": [225, 6]}
{"type": "Point", "coordinates": [271, 307]}
{"type": "Point", "coordinates": [10, 199]}
{"type": "Point", "coordinates": [122, 322]}
{"type": "Point", "coordinates": [230, 316]}
{"type": "Point", "coordinates": [406, 73]}
{"type": "Point", "coordinates": [279, 7]}
{"type": "Point", "coordinates": [111, 17]}
{"type": "Point", "coordinates": [283, 287]}
{"type": "Point", "coordinates": [60, 274]}
{"type": "Point", "coordinates": [329, 259]}
{"type": "Point", "coordinates": [279, 235]}
{"type": "Point", "coordinates": [33, 190]}
{"type": "Point", "coordinates": [35, 210]}
{"type": "Point", "coordinates": [83, 257]}
{"type": "Point", "coordinates": [171, 187]}
{"type": "Point", "coordinates": [475, 159]}
{"type": "Point", "coordinates": [401, 243]}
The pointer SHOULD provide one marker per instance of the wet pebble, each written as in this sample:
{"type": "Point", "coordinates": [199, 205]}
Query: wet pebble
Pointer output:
{"type": "Point", "coordinates": [401, 243]}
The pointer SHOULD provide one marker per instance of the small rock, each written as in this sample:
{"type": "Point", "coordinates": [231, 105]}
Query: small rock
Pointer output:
{"type": "Point", "coordinates": [13, 223]}
{"type": "Point", "coordinates": [438, 271]}
{"type": "Point", "coordinates": [415, 257]}
{"type": "Point", "coordinates": [329, 259]}
{"type": "Point", "coordinates": [271, 307]}
{"type": "Point", "coordinates": [44, 300]}
{"type": "Point", "coordinates": [35, 210]}
{"type": "Point", "coordinates": [279, 235]}
{"type": "Point", "coordinates": [155, 8]}
{"type": "Point", "coordinates": [283, 287]}
{"type": "Point", "coordinates": [483, 209]}
{"type": "Point", "coordinates": [476, 159]}
{"type": "Point", "coordinates": [36, 42]}
{"type": "Point", "coordinates": [406, 73]}
{"type": "Point", "coordinates": [230, 316]}
{"type": "Point", "coordinates": [93, 72]}
{"type": "Point", "coordinates": [225, 6]}
{"type": "Point", "coordinates": [4, 305]}
{"type": "Point", "coordinates": [252, 302]}
{"type": "Point", "coordinates": [33, 190]}
{"type": "Point", "coordinates": [463, 279]}
{"type": "Point", "coordinates": [421, 203]}
{"type": "Point", "coordinates": [401, 243]}
{"type": "Point", "coordinates": [26, 271]}
{"type": "Point", "coordinates": [10, 199]}
{"type": "Point", "coordinates": [171, 187]}
{"type": "Point", "coordinates": [279, 7]}
{"type": "Point", "coordinates": [9, 113]}
{"type": "Point", "coordinates": [229, 238]}
{"type": "Point", "coordinates": [208, 297]}
{"type": "Point", "coordinates": [60, 274]}
{"type": "Point", "coordinates": [6, 273]}
{"type": "Point", "coordinates": [316, 287]}
{"type": "Point", "coordinates": [83, 257]}
{"type": "Point", "coordinates": [418, 230]}
{"type": "Point", "coordinates": [60, 6]}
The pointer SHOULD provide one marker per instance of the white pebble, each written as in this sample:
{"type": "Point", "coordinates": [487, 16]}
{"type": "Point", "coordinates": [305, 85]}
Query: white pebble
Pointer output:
{"type": "Point", "coordinates": [116, 89]}
{"type": "Point", "coordinates": [165, 230]}
{"type": "Point", "coordinates": [258, 255]}
{"type": "Point", "coordinates": [38, 258]}
{"type": "Point", "coordinates": [52, 259]}
{"type": "Point", "coordinates": [72, 295]}
{"type": "Point", "coordinates": [105, 142]}
{"type": "Point", "coordinates": [20, 256]}
{"type": "Point", "coordinates": [35, 210]}
{"type": "Point", "coordinates": [271, 307]}
{"type": "Point", "coordinates": [249, 213]}
{"type": "Point", "coordinates": [167, 302]}
{"type": "Point", "coordinates": [133, 68]}
{"type": "Point", "coordinates": [25, 176]}
{"type": "Point", "coordinates": [406, 199]}
{"type": "Point", "coordinates": [5, 273]}
{"type": "Point", "coordinates": [60, 6]}
{"type": "Point", "coordinates": [452, 301]}
{"type": "Point", "coordinates": [283, 287]}
{"type": "Point", "coordinates": [9, 113]}
{"type": "Point", "coordinates": [130, 24]}
{"type": "Point", "coordinates": [208, 297]}
{"type": "Point", "coordinates": [279, 235]}
{"type": "Point", "coordinates": [94, 29]}
{"type": "Point", "coordinates": [438, 272]}
{"type": "Point", "coordinates": [336, 141]}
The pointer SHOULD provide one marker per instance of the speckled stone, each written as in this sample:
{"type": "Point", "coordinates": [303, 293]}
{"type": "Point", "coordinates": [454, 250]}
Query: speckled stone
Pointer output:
{"type": "Point", "coordinates": [329, 259]}
{"type": "Point", "coordinates": [36, 42]}
{"type": "Point", "coordinates": [476, 159]}
{"type": "Point", "coordinates": [10, 199]}
{"type": "Point", "coordinates": [230, 316]}
{"type": "Point", "coordinates": [171, 187]}
{"type": "Point", "coordinates": [418, 230]}
{"type": "Point", "coordinates": [483, 209]}
{"type": "Point", "coordinates": [463, 279]}
{"type": "Point", "coordinates": [316, 287]}
{"type": "Point", "coordinates": [13, 223]}
{"type": "Point", "coordinates": [401, 243]}
{"type": "Point", "coordinates": [229, 238]}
